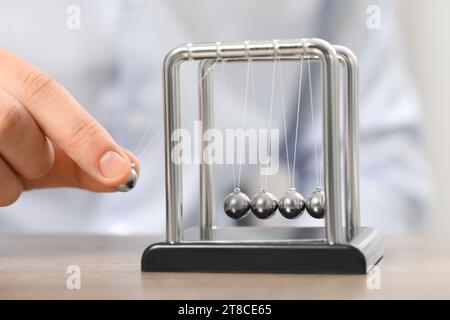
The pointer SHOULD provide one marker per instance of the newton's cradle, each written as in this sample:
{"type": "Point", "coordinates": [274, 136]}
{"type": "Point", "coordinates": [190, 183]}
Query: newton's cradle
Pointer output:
{"type": "Point", "coordinates": [342, 245]}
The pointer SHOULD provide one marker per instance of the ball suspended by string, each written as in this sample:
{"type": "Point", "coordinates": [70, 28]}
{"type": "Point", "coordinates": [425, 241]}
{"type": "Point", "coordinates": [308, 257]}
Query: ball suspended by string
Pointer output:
{"type": "Point", "coordinates": [130, 183]}
{"type": "Point", "coordinates": [236, 204]}
{"type": "Point", "coordinates": [264, 204]}
{"type": "Point", "coordinates": [292, 204]}
{"type": "Point", "coordinates": [315, 205]}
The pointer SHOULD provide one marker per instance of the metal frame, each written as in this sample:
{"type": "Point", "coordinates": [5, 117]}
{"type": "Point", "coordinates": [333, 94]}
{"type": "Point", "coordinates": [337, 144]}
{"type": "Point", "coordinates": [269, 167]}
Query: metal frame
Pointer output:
{"type": "Point", "coordinates": [335, 233]}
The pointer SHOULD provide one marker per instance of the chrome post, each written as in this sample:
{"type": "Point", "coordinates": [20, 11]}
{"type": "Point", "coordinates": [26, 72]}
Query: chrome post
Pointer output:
{"type": "Point", "coordinates": [207, 197]}
{"type": "Point", "coordinates": [351, 141]}
{"type": "Point", "coordinates": [174, 198]}
{"type": "Point", "coordinates": [331, 146]}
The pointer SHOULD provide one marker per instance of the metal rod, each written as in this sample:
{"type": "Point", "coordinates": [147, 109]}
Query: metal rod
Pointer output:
{"type": "Point", "coordinates": [207, 197]}
{"type": "Point", "coordinates": [331, 147]}
{"type": "Point", "coordinates": [351, 141]}
{"type": "Point", "coordinates": [171, 74]}
{"type": "Point", "coordinates": [254, 50]}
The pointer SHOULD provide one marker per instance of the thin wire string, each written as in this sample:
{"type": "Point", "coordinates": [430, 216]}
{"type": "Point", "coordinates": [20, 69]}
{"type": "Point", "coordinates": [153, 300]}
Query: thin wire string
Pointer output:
{"type": "Point", "coordinates": [269, 126]}
{"type": "Point", "coordinates": [211, 68]}
{"type": "Point", "coordinates": [140, 148]}
{"type": "Point", "coordinates": [244, 122]}
{"type": "Point", "coordinates": [255, 109]}
{"type": "Point", "coordinates": [283, 107]}
{"type": "Point", "coordinates": [147, 130]}
{"type": "Point", "coordinates": [225, 90]}
{"type": "Point", "coordinates": [300, 77]}
{"type": "Point", "coordinates": [315, 137]}
{"type": "Point", "coordinates": [147, 146]}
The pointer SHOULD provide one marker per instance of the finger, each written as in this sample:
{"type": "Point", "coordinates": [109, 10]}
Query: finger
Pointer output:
{"type": "Point", "coordinates": [22, 143]}
{"type": "Point", "coordinates": [64, 121]}
{"type": "Point", "coordinates": [66, 173]}
{"type": "Point", "coordinates": [10, 185]}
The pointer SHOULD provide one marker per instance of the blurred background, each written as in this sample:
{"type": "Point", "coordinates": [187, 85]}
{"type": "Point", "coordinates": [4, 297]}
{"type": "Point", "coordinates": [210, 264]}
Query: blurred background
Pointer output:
{"type": "Point", "coordinates": [424, 27]}
{"type": "Point", "coordinates": [112, 66]}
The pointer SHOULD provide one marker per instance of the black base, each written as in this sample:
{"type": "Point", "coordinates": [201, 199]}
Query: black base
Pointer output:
{"type": "Point", "coordinates": [162, 257]}
{"type": "Point", "coordinates": [267, 250]}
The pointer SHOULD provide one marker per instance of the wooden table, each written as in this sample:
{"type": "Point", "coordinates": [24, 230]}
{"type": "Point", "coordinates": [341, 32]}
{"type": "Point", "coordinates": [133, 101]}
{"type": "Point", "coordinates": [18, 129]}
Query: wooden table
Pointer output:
{"type": "Point", "coordinates": [35, 267]}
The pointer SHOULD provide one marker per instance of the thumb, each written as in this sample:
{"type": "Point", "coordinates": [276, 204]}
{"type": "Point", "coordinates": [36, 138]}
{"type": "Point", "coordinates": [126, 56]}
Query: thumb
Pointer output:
{"type": "Point", "coordinates": [66, 173]}
{"type": "Point", "coordinates": [92, 148]}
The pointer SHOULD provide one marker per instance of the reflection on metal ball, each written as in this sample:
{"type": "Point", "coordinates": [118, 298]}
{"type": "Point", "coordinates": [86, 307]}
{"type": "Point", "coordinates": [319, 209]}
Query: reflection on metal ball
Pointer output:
{"type": "Point", "coordinates": [264, 204]}
{"type": "Point", "coordinates": [315, 205]}
{"type": "Point", "coordinates": [292, 204]}
{"type": "Point", "coordinates": [130, 183]}
{"type": "Point", "coordinates": [236, 204]}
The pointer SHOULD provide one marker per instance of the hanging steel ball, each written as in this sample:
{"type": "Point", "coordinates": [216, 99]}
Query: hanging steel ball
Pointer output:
{"type": "Point", "coordinates": [315, 205]}
{"type": "Point", "coordinates": [292, 204]}
{"type": "Point", "coordinates": [264, 204]}
{"type": "Point", "coordinates": [236, 204]}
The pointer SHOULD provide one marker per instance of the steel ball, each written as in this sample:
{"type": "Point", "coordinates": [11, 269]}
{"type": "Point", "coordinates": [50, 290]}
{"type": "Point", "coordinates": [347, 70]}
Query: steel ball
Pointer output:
{"type": "Point", "coordinates": [264, 204]}
{"type": "Point", "coordinates": [236, 204]}
{"type": "Point", "coordinates": [315, 205]}
{"type": "Point", "coordinates": [292, 204]}
{"type": "Point", "coordinates": [130, 183]}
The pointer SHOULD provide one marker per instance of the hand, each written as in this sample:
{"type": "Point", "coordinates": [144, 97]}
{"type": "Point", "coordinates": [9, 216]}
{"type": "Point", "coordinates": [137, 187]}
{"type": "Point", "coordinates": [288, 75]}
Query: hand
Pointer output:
{"type": "Point", "coordinates": [48, 140]}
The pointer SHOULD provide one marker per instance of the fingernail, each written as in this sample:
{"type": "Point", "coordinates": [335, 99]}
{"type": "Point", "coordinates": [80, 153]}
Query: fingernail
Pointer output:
{"type": "Point", "coordinates": [112, 165]}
